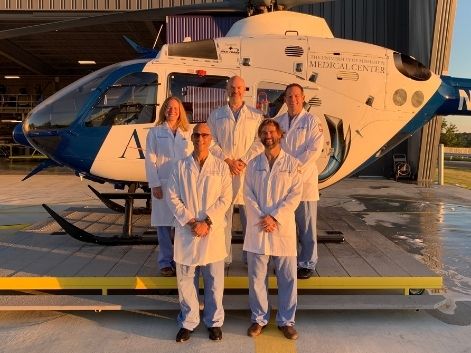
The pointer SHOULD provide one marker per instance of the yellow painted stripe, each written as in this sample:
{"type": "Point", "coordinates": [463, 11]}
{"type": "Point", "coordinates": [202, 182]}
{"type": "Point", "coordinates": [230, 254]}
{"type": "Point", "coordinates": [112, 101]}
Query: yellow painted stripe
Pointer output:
{"type": "Point", "coordinates": [13, 226]}
{"type": "Point", "coordinates": [272, 340]}
{"type": "Point", "coordinates": [17, 283]}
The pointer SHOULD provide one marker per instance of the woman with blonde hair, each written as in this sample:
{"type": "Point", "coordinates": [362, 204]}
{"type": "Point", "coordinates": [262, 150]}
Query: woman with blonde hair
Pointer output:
{"type": "Point", "coordinates": [167, 142]}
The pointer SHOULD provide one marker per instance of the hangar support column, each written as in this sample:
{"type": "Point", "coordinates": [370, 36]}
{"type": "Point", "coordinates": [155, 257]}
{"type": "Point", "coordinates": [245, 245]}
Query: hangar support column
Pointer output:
{"type": "Point", "coordinates": [440, 56]}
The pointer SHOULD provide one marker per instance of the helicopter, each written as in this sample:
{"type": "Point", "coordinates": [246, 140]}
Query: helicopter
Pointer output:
{"type": "Point", "coordinates": [368, 99]}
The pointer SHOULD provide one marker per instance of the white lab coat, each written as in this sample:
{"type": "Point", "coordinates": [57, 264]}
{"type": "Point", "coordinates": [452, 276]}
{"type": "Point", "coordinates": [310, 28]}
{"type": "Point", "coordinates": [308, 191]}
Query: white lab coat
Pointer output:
{"type": "Point", "coordinates": [304, 140]}
{"type": "Point", "coordinates": [276, 193]}
{"type": "Point", "coordinates": [162, 151]}
{"type": "Point", "coordinates": [235, 139]}
{"type": "Point", "coordinates": [195, 193]}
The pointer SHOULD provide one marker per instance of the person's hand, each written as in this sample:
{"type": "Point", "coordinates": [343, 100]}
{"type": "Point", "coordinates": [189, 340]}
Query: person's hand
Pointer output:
{"type": "Point", "coordinates": [233, 166]}
{"type": "Point", "coordinates": [200, 229]}
{"type": "Point", "coordinates": [157, 192]}
{"type": "Point", "coordinates": [268, 224]}
{"type": "Point", "coordinates": [241, 165]}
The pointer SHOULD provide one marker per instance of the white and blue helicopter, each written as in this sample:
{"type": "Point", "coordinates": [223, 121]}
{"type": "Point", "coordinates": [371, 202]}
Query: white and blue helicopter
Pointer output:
{"type": "Point", "coordinates": [368, 98]}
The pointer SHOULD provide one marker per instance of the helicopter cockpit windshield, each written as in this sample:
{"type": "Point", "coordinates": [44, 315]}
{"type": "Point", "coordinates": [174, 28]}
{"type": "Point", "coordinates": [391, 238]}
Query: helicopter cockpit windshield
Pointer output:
{"type": "Point", "coordinates": [129, 100]}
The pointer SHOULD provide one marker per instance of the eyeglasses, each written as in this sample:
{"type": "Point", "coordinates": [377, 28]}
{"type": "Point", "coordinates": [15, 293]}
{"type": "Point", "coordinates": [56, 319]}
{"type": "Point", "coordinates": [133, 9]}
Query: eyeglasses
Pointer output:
{"type": "Point", "coordinates": [197, 135]}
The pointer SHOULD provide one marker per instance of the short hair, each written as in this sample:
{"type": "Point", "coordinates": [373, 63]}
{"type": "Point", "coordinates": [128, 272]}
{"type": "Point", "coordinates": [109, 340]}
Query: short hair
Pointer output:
{"type": "Point", "coordinates": [267, 122]}
{"type": "Point", "coordinates": [182, 119]}
{"type": "Point", "coordinates": [201, 124]}
{"type": "Point", "coordinates": [291, 85]}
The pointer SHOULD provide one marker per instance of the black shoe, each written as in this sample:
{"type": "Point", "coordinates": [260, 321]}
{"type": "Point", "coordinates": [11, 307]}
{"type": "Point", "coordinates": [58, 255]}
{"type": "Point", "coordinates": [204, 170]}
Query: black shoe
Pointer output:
{"type": "Point", "coordinates": [215, 333]}
{"type": "Point", "coordinates": [304, 273]}
{"type": "Point", "coordinates": [167, 272]}
{"type": "Point", "coordinates": [183, 335]}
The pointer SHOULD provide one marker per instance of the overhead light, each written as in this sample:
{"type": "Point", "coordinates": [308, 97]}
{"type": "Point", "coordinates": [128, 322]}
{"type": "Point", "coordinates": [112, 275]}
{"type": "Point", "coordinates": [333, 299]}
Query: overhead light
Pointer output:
{"type": "Point", "coordinates": [87, 62]}
{"type": "Point", "coordinates": [11, 76]}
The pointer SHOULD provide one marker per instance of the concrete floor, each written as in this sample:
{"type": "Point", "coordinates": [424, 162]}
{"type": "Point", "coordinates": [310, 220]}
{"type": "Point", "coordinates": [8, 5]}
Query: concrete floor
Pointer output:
{"type": "Point", "coordinates": [432, 223]}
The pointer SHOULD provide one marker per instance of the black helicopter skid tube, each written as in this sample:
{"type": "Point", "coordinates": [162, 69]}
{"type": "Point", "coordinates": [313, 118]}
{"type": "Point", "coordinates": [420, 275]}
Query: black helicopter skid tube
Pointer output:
{"type": "Point", "coordinates": [84, 236]}
{"type": "Point", "coordinates": [114, 206]}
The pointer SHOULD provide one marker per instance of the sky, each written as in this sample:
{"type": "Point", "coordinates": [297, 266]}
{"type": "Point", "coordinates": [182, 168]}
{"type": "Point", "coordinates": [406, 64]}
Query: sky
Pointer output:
{"type": "Point", "coordinates": [460, 59]}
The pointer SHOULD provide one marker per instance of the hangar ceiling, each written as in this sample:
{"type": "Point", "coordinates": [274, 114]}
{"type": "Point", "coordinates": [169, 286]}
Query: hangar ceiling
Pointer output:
{"type": "Point", "coordinates": [56, 53]}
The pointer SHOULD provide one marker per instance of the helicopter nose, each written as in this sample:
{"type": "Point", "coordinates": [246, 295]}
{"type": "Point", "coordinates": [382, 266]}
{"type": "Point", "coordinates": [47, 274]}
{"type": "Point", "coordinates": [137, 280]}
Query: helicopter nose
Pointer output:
{"type": "Point", "coordinates": [19, 136]}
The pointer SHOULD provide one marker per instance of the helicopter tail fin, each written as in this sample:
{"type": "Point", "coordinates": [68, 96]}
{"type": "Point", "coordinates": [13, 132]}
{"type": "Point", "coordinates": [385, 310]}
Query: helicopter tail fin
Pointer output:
{"type": "Point", "coordinates": [140, 50]}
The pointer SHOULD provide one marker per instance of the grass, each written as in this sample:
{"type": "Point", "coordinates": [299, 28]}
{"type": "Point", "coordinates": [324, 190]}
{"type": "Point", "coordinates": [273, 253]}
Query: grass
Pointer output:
{"type": "Point", "coordinates": [458, 177]}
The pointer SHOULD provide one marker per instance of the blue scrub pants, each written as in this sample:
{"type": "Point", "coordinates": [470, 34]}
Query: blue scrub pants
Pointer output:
{"type": "Point", "coordinates": [165, 257]}
{"type": "Point", "coordinates": [285, 270]}
{"type": "Point", "coordinates": [213, 279]}
{"type": "Point", "coordinates": [306, 222]}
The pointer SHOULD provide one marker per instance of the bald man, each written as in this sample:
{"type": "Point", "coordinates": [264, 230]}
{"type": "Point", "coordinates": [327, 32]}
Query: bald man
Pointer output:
{"type": "Point", "coordinates": [234, 130]}
{"type": "Point", "coordinates": [199, 194]}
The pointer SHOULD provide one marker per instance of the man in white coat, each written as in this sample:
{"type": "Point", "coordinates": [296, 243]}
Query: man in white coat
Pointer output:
{"type": "Point", "coordinates": [272, 192]}
{"type": "Point", "coordinates": [304, 140]}
{"type": "Point", "coordinates": [234, 129]}
{"type": "Point", "coordinates": [199, 194]}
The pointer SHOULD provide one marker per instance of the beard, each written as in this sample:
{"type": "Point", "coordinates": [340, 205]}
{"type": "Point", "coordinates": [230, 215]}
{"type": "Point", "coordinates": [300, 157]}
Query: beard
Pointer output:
{"type": "Point", "coordinates": [270, 143]}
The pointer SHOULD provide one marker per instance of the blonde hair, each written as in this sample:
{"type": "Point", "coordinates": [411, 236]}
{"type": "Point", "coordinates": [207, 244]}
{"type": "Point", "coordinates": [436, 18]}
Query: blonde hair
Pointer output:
{"type": "Point", "coordinates": [182, 118]}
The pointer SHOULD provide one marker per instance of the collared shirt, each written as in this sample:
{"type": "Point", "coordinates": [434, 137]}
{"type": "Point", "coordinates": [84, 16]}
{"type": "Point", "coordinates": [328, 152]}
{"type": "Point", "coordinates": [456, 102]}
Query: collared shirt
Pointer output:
{"type": "Point", "coordinates": [235, 138]}
{"type": "Point", "coordinates": [163, 149]}
{"type": "Point", "coordinates": [195, 193]}
{"type": "Point", "coordinates": [304, 140]}
{"type": "Point", "coordinates": [275, 192]}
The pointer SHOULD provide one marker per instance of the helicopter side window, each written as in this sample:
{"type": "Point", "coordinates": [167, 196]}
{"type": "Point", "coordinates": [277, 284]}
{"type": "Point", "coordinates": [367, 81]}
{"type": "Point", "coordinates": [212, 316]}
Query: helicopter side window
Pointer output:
{"type": "Point", "coordinates": [130, 100]}
{"type": "Point", "coordinates": [270, 98]}
{"type": "Point", "coordinates": [200, 94]}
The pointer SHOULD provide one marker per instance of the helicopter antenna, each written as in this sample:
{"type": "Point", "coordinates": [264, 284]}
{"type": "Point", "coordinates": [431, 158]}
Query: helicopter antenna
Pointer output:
{"type": "Point", "coordinates": [158, 35]}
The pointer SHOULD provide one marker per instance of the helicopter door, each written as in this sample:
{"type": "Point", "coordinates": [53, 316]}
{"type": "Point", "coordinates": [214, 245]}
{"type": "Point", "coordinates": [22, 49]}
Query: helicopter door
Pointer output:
{"type": "Point", "coordinates": [200, 94]}
{"type": "Point", "coordinates": [286, 54]}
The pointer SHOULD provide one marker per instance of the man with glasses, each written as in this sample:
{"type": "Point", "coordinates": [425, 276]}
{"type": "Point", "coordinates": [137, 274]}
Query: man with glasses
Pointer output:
{"type": "Point", "coordinates": [200, 192]}
{"type": "Point", "coordinates": [234, 129]}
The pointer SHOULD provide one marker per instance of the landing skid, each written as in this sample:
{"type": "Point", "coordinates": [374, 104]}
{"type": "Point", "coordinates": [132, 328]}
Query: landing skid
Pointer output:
{"type": "Point", "coordinates": [84, 236]}
{"type": "Point", "coordinates": [126, 237]}
{"type": "Point", "coordinates": [106, 199]}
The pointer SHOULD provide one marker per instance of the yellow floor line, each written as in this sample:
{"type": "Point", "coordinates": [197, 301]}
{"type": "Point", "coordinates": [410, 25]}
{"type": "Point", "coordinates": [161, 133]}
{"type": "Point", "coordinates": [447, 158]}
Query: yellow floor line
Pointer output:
{"type": "Point", "coordinates": [13, 226]}
{"type": "Point", "coordinates": [272, 340]}
{"type": "Point", "coordinates": [43, 283]}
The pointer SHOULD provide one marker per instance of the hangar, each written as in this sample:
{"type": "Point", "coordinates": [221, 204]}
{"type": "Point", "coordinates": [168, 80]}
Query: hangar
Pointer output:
{"type": "Point", "coordinates": [36, 62]}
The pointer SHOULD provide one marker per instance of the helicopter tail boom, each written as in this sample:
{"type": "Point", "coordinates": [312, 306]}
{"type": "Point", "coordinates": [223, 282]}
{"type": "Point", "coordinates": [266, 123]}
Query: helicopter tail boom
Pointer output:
{"type": "Point", "coordinates": [456, 93]}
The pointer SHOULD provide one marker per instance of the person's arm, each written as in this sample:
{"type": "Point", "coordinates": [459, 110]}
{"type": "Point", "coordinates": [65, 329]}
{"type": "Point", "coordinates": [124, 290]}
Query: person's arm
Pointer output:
{"type": "Point", "coordinates": [219, 208]}
{"type": "Point", "coordinates": [174, 199]}
{"type": "Point", "coordinates": [151, 161]}
{"type": "Point", "coordinates": [315, 142]}
{"type": "Point", "coordinates": [288, 205]}
{"type": "Point", "coordinates": [256, 148]}
{"type": "Point", "coordinates": [250, 198]}
{"type": "Point", "coordinates": [215, 148]}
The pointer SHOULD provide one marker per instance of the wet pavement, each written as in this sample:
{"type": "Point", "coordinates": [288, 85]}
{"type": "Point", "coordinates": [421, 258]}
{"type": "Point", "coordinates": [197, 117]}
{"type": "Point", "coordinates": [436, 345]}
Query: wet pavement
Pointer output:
{"type": "Point", "coordinates": [433, 224]}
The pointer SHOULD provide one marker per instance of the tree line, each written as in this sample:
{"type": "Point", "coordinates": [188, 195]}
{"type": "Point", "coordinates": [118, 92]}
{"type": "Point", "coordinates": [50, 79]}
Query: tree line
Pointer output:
{"type": "Point", "coordinates": [450, 136]}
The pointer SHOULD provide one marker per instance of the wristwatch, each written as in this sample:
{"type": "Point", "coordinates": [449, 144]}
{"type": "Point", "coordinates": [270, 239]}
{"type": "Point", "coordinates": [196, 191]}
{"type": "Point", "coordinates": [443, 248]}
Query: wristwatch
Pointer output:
{"type": "Point", "coordinates": [208, 221]}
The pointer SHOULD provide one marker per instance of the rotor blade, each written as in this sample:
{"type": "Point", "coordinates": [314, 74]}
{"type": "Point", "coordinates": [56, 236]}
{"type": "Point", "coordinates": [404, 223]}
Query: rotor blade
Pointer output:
{"type": "Point", "coordinates": [139, 15]}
